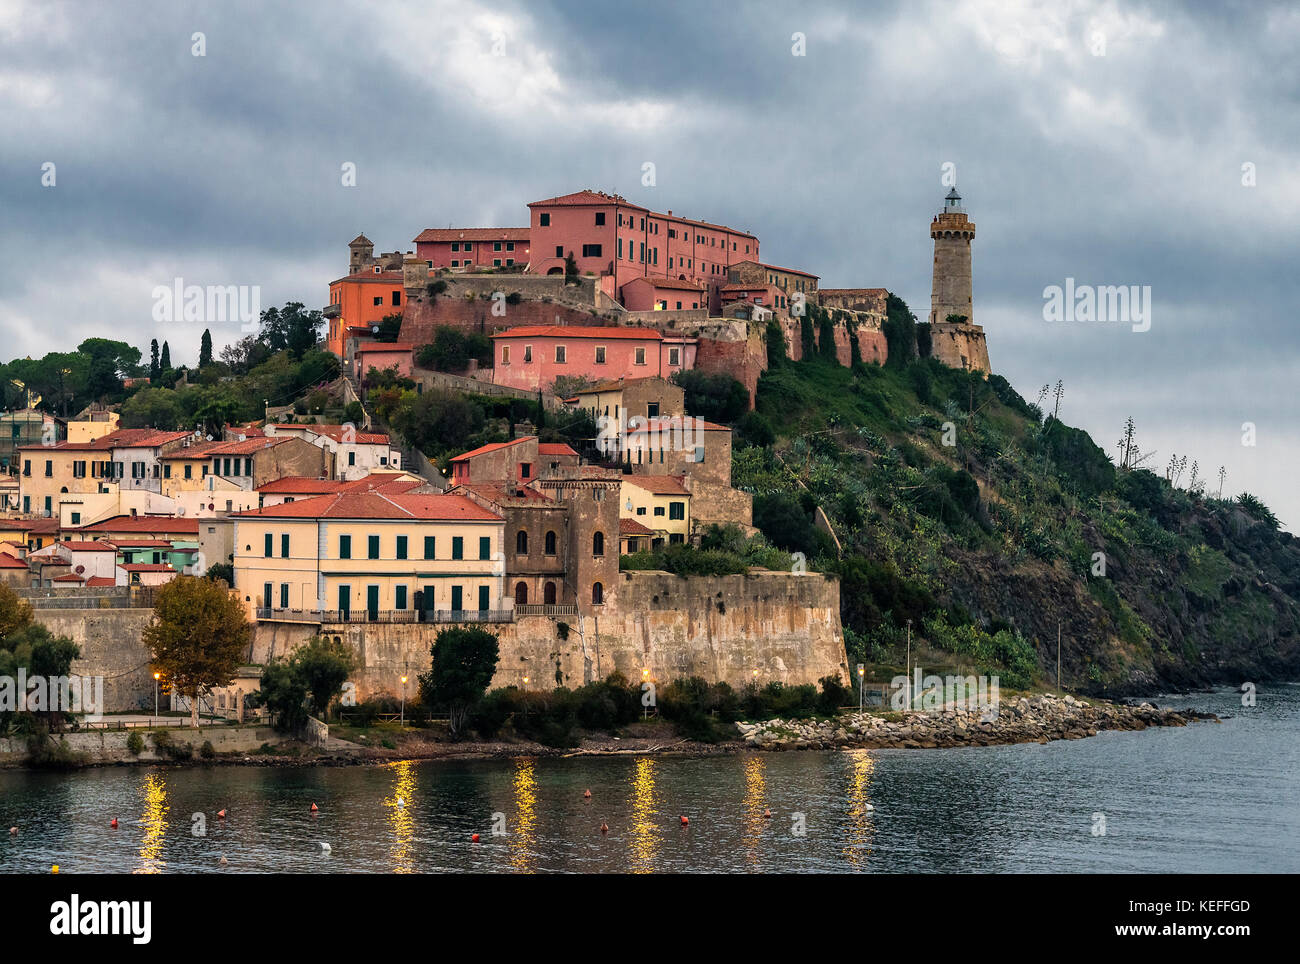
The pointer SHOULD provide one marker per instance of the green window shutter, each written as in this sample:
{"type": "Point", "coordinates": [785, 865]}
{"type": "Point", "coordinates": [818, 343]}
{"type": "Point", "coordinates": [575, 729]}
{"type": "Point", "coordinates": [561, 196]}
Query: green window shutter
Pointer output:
{"type": "Point", "coordinates": [268, 546]}
{"type": "Point", "coordinates": [345, 547]}
{"type": "Point", "coordinates": [373, 546]}
{"type": "Point", "coordinates": [284, 545]}
{"type": "Point", "coordinates": [485, 547]}
{"type": "Point", "coordinates": [401, 549]}
{"type": "Point", "coordinates": [457, 547]}
{"type": "Point", "coordinates": [429, 547]}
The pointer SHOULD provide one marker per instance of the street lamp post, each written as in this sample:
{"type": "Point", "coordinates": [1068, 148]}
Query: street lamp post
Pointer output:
{"type": "Point", "coordinates": [155, 696]}
{"type": "Point", "coordinates": [403, 720]}
{"type": "Point", "coordinates": [862, 672]}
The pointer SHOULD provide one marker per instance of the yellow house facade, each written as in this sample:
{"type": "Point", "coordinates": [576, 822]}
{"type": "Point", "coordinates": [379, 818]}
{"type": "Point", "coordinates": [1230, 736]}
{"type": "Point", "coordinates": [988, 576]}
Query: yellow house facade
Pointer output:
{"type": "Point", "coordinates": [661, 503]}
{"type": "Point", "coordinates": [353, 557]}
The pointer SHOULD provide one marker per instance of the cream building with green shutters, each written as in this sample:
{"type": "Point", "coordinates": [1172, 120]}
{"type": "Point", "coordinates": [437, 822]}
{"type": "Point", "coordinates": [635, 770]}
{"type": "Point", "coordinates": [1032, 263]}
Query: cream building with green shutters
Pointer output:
{"type": "Point", "coordinates": [367, 556]}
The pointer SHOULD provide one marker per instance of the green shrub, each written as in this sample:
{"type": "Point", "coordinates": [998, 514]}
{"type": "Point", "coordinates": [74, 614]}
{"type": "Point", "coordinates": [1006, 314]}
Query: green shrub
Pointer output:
{"type": "Point", "coordinates": [135, 743]}
{"type": "Point", "coordinates": [207, 751]}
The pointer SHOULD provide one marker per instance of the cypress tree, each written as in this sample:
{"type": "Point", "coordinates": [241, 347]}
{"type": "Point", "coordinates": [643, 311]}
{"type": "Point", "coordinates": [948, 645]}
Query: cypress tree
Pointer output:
{"type": "Point", "coordinates": [153, 361]}
{"type": "Point", "coordinates": [205, 349]}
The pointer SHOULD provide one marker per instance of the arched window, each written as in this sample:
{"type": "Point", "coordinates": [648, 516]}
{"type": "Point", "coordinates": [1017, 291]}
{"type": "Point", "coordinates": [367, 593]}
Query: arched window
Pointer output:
{"type": "Point", "coordinates": [548, 594]}
{"type": "Point", "coordinates": [550, 543]}
{"type": "Point", "coordinates": [598, 544]}
{"type": "Point", "coordinates": [597, 594]}
{"type": "Point", "coordinates": [521, 594]}
{"type": "Point", "coordinates": [521, 542]}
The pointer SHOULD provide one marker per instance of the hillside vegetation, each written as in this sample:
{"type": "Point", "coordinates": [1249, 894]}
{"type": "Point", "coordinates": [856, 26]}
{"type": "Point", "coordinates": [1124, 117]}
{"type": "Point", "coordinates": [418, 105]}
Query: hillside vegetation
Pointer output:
{"type": "Point", "coordinates": [1019, 522]}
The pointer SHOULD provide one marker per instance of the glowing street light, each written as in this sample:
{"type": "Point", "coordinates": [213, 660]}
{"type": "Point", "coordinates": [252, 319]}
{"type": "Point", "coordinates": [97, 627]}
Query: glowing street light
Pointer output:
{"type": "Point", "coordinates": [403, 720]}
{"type": "Point", "coordinates": [156, 677]}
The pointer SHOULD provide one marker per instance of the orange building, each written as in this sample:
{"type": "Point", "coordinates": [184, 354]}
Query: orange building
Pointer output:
{"type": "Point", "coordinates": [360, 301]}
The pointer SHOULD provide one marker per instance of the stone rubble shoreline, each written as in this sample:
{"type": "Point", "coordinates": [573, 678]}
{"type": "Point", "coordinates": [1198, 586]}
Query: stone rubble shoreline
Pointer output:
{"type": "Point", "coordinates": [1039, 719]}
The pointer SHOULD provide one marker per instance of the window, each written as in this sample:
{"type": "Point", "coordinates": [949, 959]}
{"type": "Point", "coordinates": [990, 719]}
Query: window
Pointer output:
{"type": "Point", "coordinates": [659, 510]}
{"type": "Point", "coordinates": [345, 547]}
{"type": "Point", "coordinates": [640, 510]}
{"type": "Point", "coordinates": [550, 543]}
{"type": "Point", "coordinates": [528, 354]}
{"type": "Point", "coordinates": [27, 467]}
{"type": "Point", "coordinates": [455, 246]}
{"type": "Point", "coordinates": [266, 594]}
{"type": "Point", "coordinates": [544, 220]}
{"type": "Point", "coordinates": [267, 545]}
{"type": "Point", "coordinates": [401, 547]}
{"type": "Point", "coordinates": [510, 246]}
{"type": "Point", "coordinates": [284, 595]}
{"type": "Point", "coordinates": [496, 245]}
{"type": "Point", "coordinates": [559, 355]}
{"type": "Point", "coordinates": [640, 356]}
{"type": "Point", "coordinates": [49, 468]}
{"type": "Point", "coordinates": [496, 262]}
{"type": "Point", "coordinates": [378, 300]}
{"type": "Point", "coordinates": [674, 356]}
{"type": "Point", "coordinates": [559, 251]}
{"type": "Point", "coordinates": [600, 217]}
{"type": "Point", "coordinates": [467, 247]}
{"type": "Point", "coordinates": [676, 538]}
{"type": "Point", "coordinates": [397, 298]}
{"type": "Point", "coordinates": [352, 458]}
{"type": "Point", "coordinates": [600, 354]}
{"type": "Point", "coordinates": [457, 547]}
{"type": "Point", "coordinates": [455, 263]}
{"type": "Point", "coordinates": [598, 544]}
{"type": "Point", "coordinates": [597, 594]}
{"type": "Point", "coordinates": [372, 547]}
{"type": "Point", "coordinates": [525, 469]}
{"type": "Point", "coordinates": [429, 546]}
{"type": "Point", "coordinates": [78, 470]}
{"type": "Point", "coordinates": [521, 542]}
{"type": "Point", "coordinates": [677, 510]}
{"type": "Point", "coordinates": [591, 250]}
{"type": "Point", "coordinates": [189, 469]}
{"type": "Point", "coordinates": [399, 597]}
{"type": "Point", "coordinates": [485, 547]}
{"type": "Point", "coordinates": [505, 354]}
{"type": "Point", "coordinates": [284, 545]}
{"type": "Point", "coordinates": [76, 518]}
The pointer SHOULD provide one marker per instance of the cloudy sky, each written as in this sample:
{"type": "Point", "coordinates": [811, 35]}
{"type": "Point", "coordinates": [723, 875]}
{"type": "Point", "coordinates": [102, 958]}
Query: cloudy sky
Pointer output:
{"type": "Point", "coordinates": [1111, 143]}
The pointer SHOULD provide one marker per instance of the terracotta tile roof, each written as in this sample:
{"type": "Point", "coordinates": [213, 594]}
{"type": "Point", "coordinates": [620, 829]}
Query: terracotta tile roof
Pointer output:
{"type": "Point", "coordinates": [630, 527]}
{"type": "Point", "coordinates": [671, 283]}
{"type": "Point", "coordinates": [471, 234]}
{"type": "Point", "coordinates": [773, 267]}
{"type": "Point", "coordinates": [141, 544]}
{"type": "Point", "coordinates": [373, 505]}
{"type": "Point", "coordinates": [148, 567]}
{"type": "Point", "coordinates": [580, 331]}
{"type": "Point", "coordinates": [67, 577]}
{"type": "Point", "coordinates": [658, 484]}
{"type": "Point", "coordinates": [335, 432]}
{"type": "Point", "coordinates": [360, 239]}
{"type": "Point", "coordinates": [301, 485]}
{"type": "Point", "coordinates": [580, 198]}
{"type": "Point", "coordinates": [143, 523]}
{"type": "Point", "coordinates": [100, 581]}
{"type": "Point", "coordinates": [554, 448]}
{"type": "Point", "coordinates": [9, 562]}
{"type": "Point", "coordinates": [122, 438]}
{"type": "Point", "coordinates": [87, 546]}
{"type": "Point", "coordinates": [493, 447]}
{"type": "Point", "coordinates": [503, 494]}
{"type": "Point", "coordinates": [205, 450]}
{"type": "Point", "coordinates": [366, 276]}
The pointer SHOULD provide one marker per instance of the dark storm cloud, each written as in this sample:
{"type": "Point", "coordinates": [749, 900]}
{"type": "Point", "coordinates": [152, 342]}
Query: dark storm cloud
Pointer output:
{"type": "Point", "coordinates": [1123, 167]}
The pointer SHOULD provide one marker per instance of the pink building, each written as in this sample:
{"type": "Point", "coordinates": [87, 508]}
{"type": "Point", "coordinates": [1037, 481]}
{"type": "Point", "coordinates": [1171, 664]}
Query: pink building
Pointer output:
{"type": "Point", "coordinates": [609, 235]}
{"type": "Point", "coordinates": [383, 355]}
{"type": "Point", "coordinates": [473, 248]}
{"type": "Point", "coordinates": [664, 294]}
{"type": "Point", "coordinates": [532, 357]}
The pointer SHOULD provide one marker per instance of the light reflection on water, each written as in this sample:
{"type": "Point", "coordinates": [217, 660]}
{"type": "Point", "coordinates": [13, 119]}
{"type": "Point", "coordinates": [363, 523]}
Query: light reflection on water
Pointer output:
{"type": "Point", "coordinates": [1217, 797]}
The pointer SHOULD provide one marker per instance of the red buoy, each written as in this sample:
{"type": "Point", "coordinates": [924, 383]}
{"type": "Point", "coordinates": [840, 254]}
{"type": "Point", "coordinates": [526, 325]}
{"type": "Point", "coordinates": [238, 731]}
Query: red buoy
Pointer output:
{"type": "Point", "coordinates": [474, 838]}
{"type": "Point", "coordinates": [314, 808]}
{"type": "Point", "coordinates": [604, 828]}
{"type": "Point", "coordinates": [113, 822]}
{"type": "Point", "coordinates": [767, 814]}
{"type": "Point", "coordinates": [684, 821]}
{"type": "Point", "coordinates": [586, 794]}
{"type": "Point", "coordinates": [221, 814]}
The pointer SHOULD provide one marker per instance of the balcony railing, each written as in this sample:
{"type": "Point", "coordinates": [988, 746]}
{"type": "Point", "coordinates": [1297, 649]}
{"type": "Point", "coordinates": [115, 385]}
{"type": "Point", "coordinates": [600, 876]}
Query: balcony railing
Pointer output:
{"type": "Point", "coordinates": [543, 609]}
{"type": "Point", "coordinates": [336, 616]}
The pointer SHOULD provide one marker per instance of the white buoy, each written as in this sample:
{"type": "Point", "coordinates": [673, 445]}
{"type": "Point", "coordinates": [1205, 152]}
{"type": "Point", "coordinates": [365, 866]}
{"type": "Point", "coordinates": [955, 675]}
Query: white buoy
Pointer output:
{"type": "Point", "coordinates": [870, 807]}
{"type": "Point", "coordinates": [401, 802]}
{"type": "Point", "coordinates": [223, 861]}
{"type": "Point", "coordinates": [324, 847]}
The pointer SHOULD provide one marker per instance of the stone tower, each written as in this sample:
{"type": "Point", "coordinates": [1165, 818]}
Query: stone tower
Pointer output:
{"type": "Point", "coordinates": [956, 343]}
{"type": "Point", "coordinates": [361, 253]}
